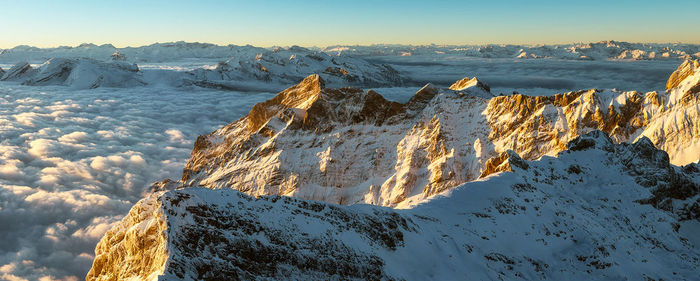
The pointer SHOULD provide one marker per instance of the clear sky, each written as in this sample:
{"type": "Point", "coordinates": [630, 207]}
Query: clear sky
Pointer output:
{"type": "Point", "coordinates": [50, 23]}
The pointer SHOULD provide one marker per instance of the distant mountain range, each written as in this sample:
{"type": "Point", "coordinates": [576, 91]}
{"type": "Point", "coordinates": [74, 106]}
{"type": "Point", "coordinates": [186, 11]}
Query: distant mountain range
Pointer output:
{"type": "Point", "coordinates": [164, 52]}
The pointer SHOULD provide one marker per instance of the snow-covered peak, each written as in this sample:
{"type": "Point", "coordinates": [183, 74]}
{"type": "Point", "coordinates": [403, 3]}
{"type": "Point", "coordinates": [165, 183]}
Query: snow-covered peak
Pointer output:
{"type": "Point", "coordinates": [684, 83]}
{"type": "Point", "coordinates": [467, 82]}
{"type": "Point", "coordinates": [18, 71]}
{"type": "Point", "coordinates": [314, 142]}
{"type": "Point", "coordinates": [81, 73]}
{"type": "Point", "coordinates": [117, 56]}
{"type": "Point", "coordinates": [285, 66]}
{"type": "Point", "coordinates": [594, 140]}
{"type": "Point", "coordinates": [300, 97]}
{"type": "Point", "coordinates": [472, 86]}
{"type": "Point", "coordinates": [604, 50]}
{"type": "Point", "coordinates": [597, 213]}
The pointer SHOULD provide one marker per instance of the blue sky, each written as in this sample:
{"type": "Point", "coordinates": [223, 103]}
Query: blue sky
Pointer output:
{"type": "Point", "coordinates": [48, 23]}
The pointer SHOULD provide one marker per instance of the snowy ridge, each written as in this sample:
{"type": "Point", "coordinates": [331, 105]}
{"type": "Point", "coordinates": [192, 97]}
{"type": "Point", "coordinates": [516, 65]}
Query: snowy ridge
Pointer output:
{"type": "Point", "coordinates": [349, 146]}
{"type": "Point", "coordinates": [244, 69]}
{"type": "Point", "coordinates": [162, 52]}
{"type": "Point", "coordinates": [604, 50]}
{"type": "Point", "coordinates": [586, 214]}
{"type": "Point", "coordinates": [287, 66]}
{"type": "Point", "coordinates": [78, 74]}
{"type": "Point", "coordinates": [152, 53]}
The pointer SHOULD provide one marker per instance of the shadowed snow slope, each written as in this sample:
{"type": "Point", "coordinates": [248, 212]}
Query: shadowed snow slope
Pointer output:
{"type": "Point", "coordinates": [246, 69]}
{"type": "Point", "coordinates": [586, 214]}
{"type": "Point", "coordinates": [77, 74]}
{"type": "Point", "coordinates": [347, 146]}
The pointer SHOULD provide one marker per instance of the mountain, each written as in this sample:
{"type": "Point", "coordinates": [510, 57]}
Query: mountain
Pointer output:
{"type": "Point", "coordinates": [244, 68]}
{"type": "Point", "coordinates": [603, 50]}
{"type": "Point", "coordinates": [597, 211]}
{"type": "Point", "coordinates": [158, 52]}
{"type": "Point", "coordinates": [17, 72]}
{"type": "Point", "coordinates": [350, 146]}
{"type": "Point", "coordinates": [286, 66]}
{"type": "Point", "coordinates": [173, 51]}
{"type": "Point", "coordinates": [81, 73]}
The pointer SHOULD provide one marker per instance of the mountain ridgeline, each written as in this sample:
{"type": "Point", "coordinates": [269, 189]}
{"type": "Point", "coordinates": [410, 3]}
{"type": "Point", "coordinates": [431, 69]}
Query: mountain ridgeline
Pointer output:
{"type": "Point", "coordinates": [586, 214]}
{"type": "Point", "coordinates": [351, 146]}
{"type": "Point", "coordinates": [591, 184]}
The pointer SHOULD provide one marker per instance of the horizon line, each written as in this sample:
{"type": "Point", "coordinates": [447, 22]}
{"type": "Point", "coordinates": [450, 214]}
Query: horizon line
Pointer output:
{"type": "Point", "coordinates": [351, 45]}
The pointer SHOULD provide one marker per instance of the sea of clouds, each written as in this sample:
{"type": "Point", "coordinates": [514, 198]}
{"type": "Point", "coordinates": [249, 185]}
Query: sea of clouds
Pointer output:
{"type": "Point", "coordinates": [534, 77]}
{"type": "Point", "coordinates": [72, 163]}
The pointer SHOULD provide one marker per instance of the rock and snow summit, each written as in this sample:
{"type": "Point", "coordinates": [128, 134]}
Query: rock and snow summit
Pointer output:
{"type": "Point", "coordinates": [572, 186]}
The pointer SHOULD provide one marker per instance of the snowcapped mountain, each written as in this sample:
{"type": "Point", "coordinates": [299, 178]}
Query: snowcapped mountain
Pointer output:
{"type": "Point", "coordinates": [604, 50]}
{"type": "Point", "coordinates": [152, 53]}
{"type": "Point", "coordinates": [166, 52]}
{"type": "Point", "coordinates": [287, 66]}
{"type": "Point", "coordinates": [349, 146]}
{"type": "Point", "coordinates": [81, 73]}
{"type": "Point", "coordinates": [244, 69]}
{"type": "Point", "coordinates": [598, 211]}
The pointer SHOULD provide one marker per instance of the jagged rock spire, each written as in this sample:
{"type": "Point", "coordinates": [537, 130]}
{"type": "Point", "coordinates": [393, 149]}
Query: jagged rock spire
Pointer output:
{"type": "Point", "coordinates": [300, 96]}
{"type": "Point", "coordinates": [688, 68]}
{"type": "Point", "coordinates": [469, 82]}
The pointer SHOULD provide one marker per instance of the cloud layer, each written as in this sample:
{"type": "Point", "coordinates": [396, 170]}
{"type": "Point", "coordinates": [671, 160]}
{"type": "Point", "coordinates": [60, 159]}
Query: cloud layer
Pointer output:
{"type": "Point", "coordinates": [547, 76]}
{"type": "Point", "coordinates": [72, 163]}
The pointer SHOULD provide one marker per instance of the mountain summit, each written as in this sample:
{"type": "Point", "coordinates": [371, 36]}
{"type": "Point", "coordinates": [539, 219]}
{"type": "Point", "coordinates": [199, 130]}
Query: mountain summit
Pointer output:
{"type": "Point", "coordinates": [348, 146]}
{"type": "Point", "coordinates": [585, 214]}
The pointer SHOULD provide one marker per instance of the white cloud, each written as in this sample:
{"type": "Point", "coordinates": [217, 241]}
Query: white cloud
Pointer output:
{"type": "Point", "coordinates": [74, 137]}
{"type": "Point", "coordinates": [72, 163]}
{"type": "Point", "coordinates": [176, 136]}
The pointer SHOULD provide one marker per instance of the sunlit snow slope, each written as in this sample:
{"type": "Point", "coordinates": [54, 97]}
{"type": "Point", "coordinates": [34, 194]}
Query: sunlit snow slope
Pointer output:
{"type": "Point", "coordinates": [348, 146]}
{"type": "Point", "coordinates": [586, 214]}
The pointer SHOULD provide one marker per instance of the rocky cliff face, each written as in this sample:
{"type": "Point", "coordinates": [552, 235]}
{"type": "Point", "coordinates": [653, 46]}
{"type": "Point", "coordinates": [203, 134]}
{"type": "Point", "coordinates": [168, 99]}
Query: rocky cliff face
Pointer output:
{"type": "Point", "coordinates": [348, 146]}
{"type": "Point", "coordinates": [586, 214]}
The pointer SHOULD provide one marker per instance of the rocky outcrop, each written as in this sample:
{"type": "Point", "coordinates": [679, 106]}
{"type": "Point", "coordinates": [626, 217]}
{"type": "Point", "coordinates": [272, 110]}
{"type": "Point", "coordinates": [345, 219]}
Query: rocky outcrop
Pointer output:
{"type": "Point", "coordinates": [535, 126]}
{"type": "Point", "coordinates": [505, 162]}
{"type": "Point", "coordinates": [469, 82]}
{"type": "Point", "coordinates": [580, 215]}
{"type": "Point", "coordinates": [135, 248]}
{"type": "Point", "coordinates": [688, 68]}
{"type": "Point", "coordinates": [163, 185]}
{"type": "Point", "coordinates": [674, 189]}
{"type": "Point", "coordinates": [117, 56]}
{"type": "Point", "coordinates": [313, 142]}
